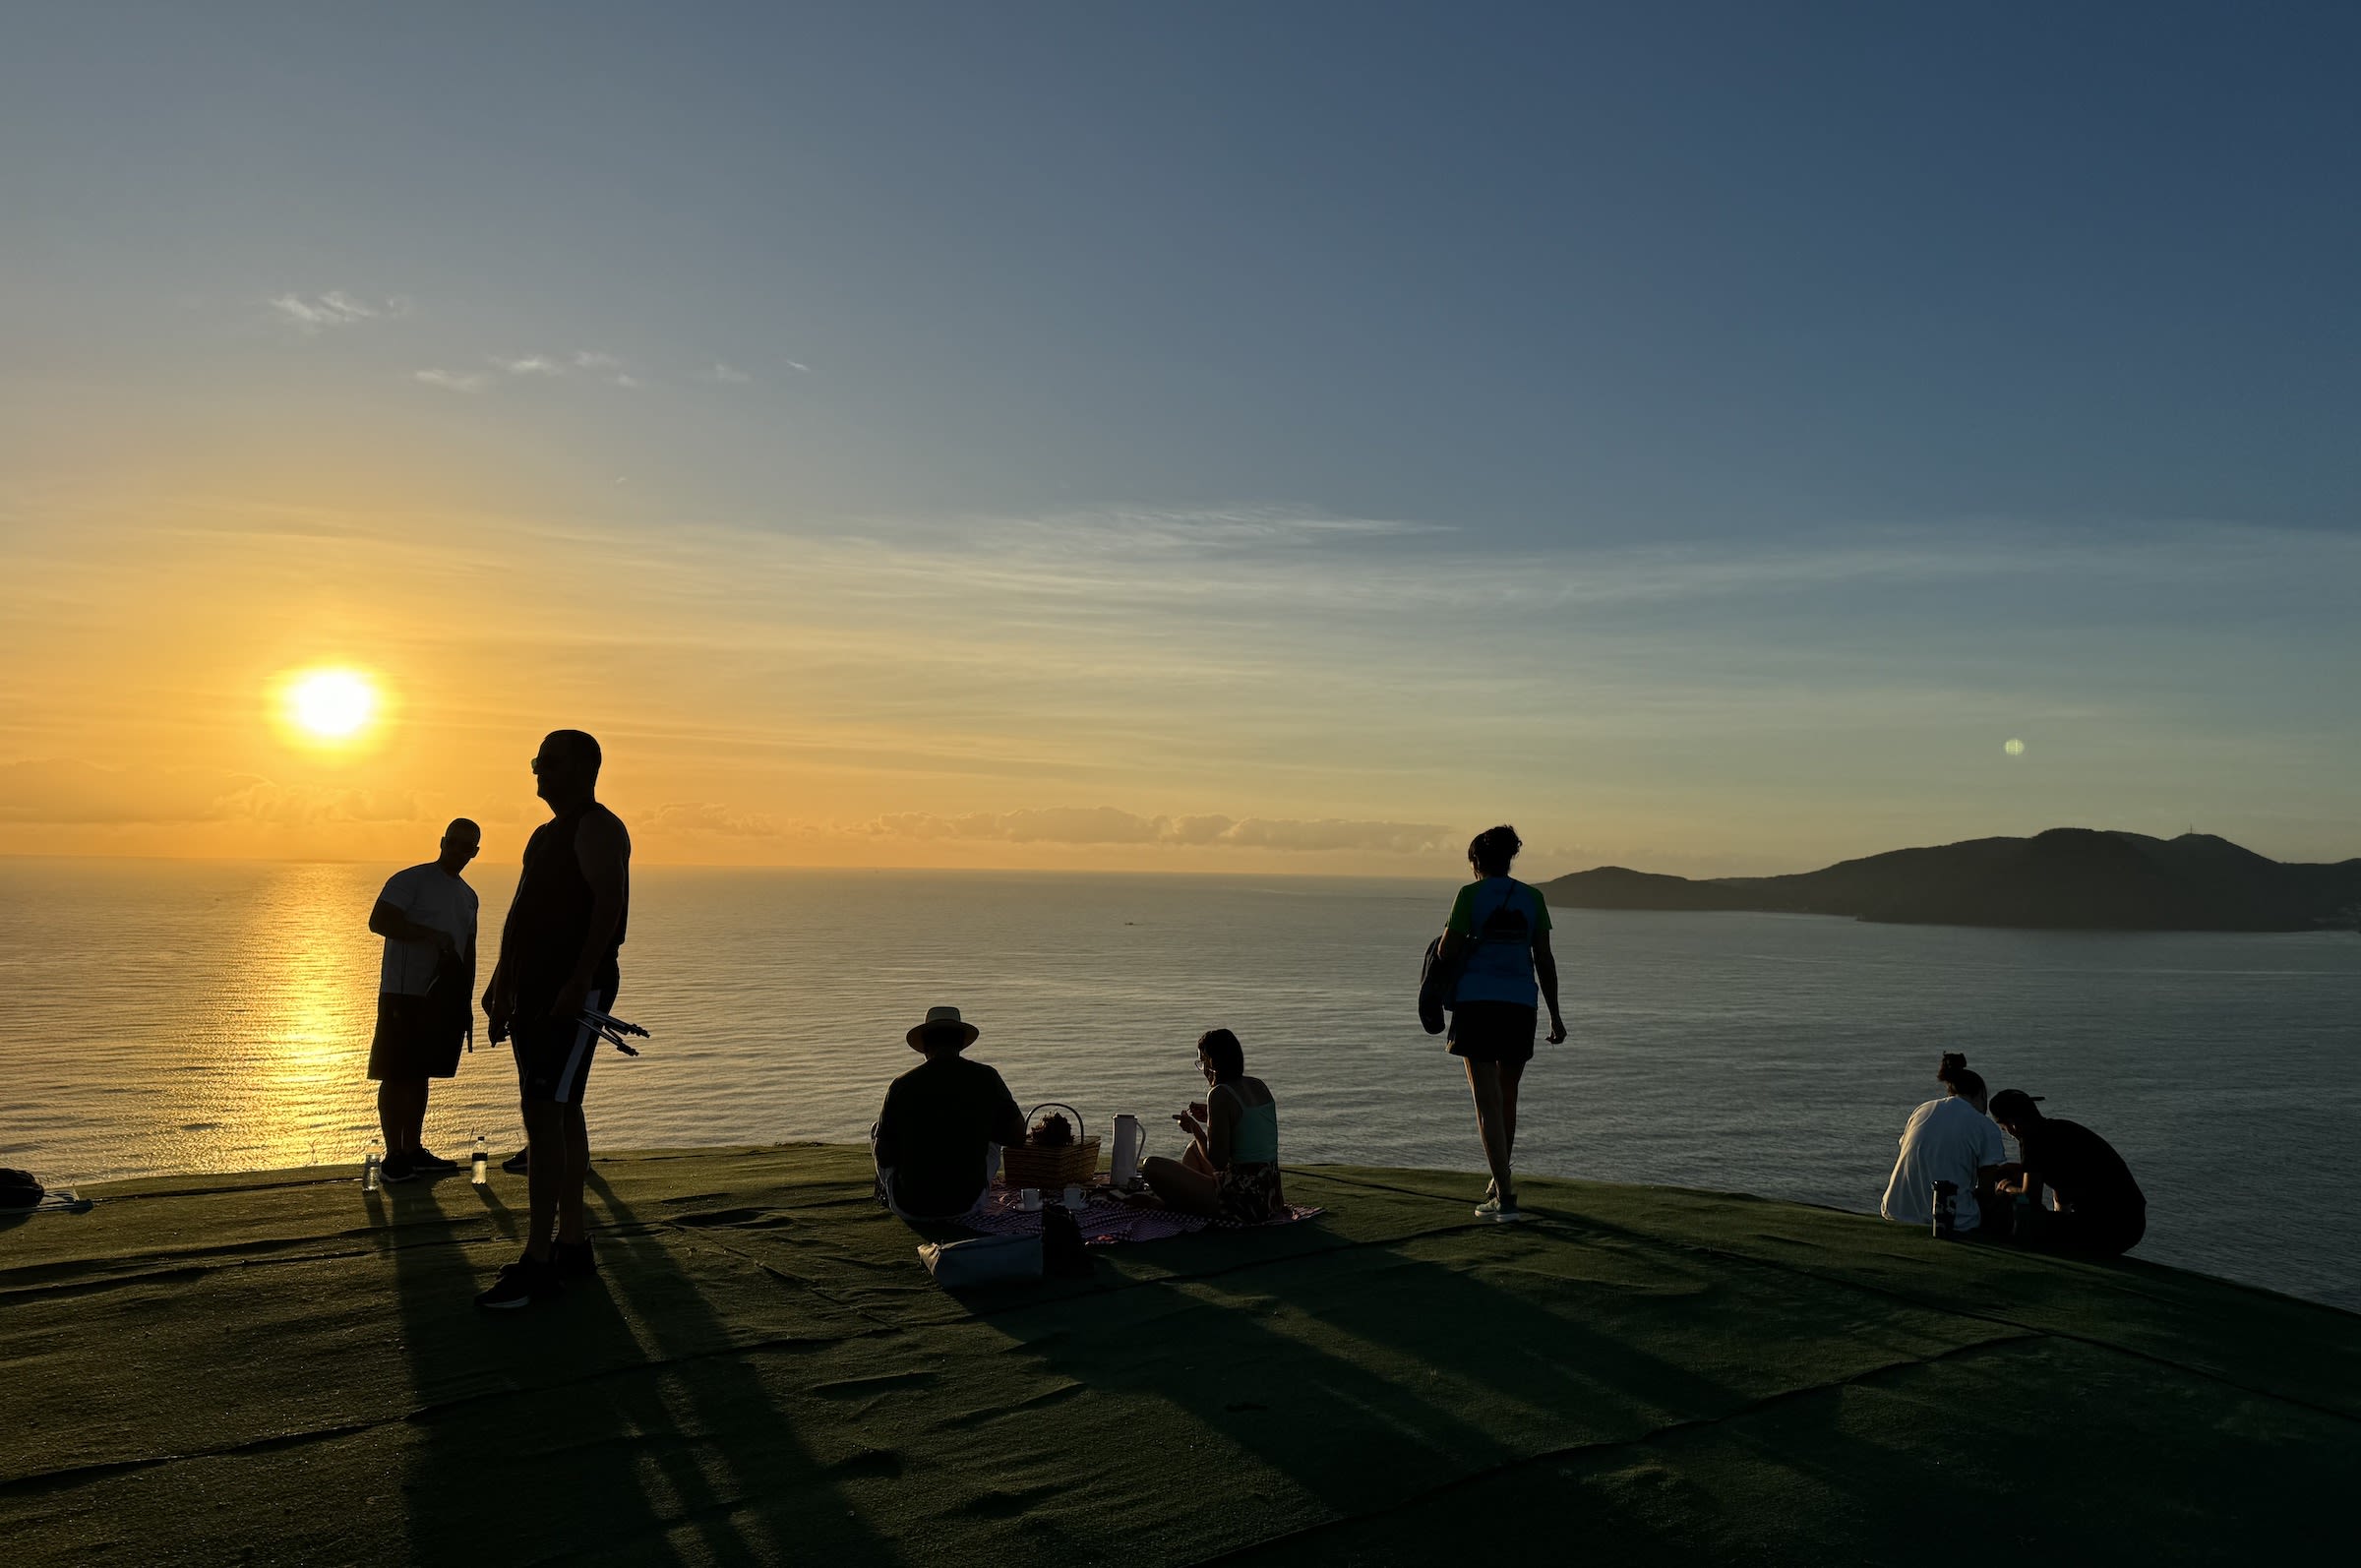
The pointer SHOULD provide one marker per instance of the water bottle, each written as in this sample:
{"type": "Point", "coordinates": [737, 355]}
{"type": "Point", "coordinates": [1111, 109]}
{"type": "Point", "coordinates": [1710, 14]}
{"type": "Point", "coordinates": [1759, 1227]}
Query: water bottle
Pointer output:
{"type": "Point", "coordinates": [1947, 1210]}
{"type": "Point", "coordinates": [368, 1163]}
{"type": "Point", "coordinates": [479, 1168]}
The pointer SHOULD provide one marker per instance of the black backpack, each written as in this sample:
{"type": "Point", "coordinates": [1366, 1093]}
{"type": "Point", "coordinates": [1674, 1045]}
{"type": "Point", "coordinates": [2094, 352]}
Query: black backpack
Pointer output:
{"type": "Point", "coordinates": [19, 1190]}
{"type": "Point", "coordinates": [1061, 1251]}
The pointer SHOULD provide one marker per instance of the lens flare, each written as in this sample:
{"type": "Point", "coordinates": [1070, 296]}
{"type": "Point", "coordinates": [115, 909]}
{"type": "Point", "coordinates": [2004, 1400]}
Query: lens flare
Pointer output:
{"type": "Point", "coordinates": [2012, 746]}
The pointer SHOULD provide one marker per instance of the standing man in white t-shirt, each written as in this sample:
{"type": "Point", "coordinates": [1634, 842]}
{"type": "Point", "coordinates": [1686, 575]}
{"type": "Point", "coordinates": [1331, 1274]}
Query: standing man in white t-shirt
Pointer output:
{"type": "Point", "coordinates": [425, 995]}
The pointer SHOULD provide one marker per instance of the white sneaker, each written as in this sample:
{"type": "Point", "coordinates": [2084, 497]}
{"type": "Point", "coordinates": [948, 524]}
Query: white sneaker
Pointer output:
{"type": "Point", "coordinates": [1500, 1212]}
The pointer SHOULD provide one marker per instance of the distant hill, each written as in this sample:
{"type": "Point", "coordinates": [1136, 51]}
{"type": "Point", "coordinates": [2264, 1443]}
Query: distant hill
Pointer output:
{"type": "Point", "coordinates": [2076, 878]}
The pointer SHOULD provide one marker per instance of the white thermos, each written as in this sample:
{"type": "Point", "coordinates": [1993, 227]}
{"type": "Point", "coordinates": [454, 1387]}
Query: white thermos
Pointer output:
{"type": "Point", "coordinates": [1124, 1163]}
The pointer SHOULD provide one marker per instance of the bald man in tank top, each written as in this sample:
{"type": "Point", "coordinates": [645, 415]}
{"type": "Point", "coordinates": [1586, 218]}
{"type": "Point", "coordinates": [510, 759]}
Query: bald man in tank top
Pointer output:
{"type": "Point", "coordinates": [557, 959]}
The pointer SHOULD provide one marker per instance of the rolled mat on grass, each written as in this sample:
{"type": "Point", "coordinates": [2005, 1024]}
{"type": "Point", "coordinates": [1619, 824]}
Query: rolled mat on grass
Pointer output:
{"type": "Point", "coordinates": [1107, 1222]}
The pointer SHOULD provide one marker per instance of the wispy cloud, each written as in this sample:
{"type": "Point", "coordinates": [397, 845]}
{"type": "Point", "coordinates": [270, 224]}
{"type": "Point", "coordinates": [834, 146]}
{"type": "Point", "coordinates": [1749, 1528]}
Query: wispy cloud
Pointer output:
{"type": "Point", "coordinates": [336, 308]}
{"type": "Point", "coordinates": [729, 374]}
{"type": "Point", "coordinates": [799, 365]}
{"type": "Point", "coordinates": [453, 381]}
{"type": "Point", "coordinates": [709, 816]}
{"type": "Point", "coordinates": [66, 791]}
{"type": "Point", "coordinates": [1107, 824]}
{"type": "Point", "coordinates": [606, 367]}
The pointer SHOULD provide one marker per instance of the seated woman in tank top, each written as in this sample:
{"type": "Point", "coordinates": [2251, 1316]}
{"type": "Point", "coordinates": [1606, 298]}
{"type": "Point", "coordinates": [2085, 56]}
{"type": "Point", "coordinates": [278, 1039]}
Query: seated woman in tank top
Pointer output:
{"type": "Point", "coordinates": [1231, 1171]}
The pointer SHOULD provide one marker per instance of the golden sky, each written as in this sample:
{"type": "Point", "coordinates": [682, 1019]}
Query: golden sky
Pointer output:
{"type": "Point", "coordinates": [774, 700]}
{"type": "Point", "coordinates": [1117, 689]}
{"type": "Point", "coordinates": [936, 442]}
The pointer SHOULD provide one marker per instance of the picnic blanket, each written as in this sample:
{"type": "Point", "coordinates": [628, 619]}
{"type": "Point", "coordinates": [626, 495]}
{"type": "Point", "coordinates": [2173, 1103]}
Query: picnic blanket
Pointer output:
{"type": "Point", "coordinates": [1106, 1222]}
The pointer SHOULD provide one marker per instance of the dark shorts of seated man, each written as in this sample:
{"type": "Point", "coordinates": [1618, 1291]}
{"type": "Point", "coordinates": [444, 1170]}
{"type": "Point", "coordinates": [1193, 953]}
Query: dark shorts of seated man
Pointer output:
{"type": "Point", "coordinates": [2105, 1232]}
{"type": "Point", "coordinates": [554, 1054]}
{"type": "Point", "coordinates": [417, 1037]}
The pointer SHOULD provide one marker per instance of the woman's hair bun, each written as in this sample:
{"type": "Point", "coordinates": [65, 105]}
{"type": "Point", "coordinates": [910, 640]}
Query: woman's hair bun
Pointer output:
{"type": "Point", "coordinates": [1951, 1066]}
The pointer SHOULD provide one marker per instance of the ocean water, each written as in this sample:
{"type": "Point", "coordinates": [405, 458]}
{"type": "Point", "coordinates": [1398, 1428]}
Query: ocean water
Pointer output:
{"type": "Point", "coordinates": [172, 1017]}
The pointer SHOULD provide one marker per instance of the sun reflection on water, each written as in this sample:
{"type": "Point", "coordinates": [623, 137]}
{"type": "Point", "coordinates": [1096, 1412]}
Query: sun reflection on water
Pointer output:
{"type": "Point", "coordinates": [302, 1019]}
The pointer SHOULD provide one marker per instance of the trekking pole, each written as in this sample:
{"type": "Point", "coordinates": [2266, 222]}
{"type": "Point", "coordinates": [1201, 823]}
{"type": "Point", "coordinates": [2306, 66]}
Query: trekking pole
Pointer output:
{"type": "Point", "coordinates": [612, 1030]}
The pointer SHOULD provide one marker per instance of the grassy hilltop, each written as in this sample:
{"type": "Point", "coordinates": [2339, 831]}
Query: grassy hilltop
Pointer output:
{"type": "Point", "coordinates": [278, 1368]}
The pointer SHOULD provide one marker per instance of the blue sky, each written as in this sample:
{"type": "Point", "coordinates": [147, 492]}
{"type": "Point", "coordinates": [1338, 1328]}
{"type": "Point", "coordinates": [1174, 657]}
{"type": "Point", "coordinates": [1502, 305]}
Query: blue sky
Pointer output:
{"type": "Point", "coordinates": [1707, 431]}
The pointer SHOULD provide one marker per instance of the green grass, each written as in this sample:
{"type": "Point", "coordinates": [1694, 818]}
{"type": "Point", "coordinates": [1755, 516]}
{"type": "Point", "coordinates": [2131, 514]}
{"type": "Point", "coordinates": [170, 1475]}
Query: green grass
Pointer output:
{"type": "Point", "coordinates": [280, 1369]}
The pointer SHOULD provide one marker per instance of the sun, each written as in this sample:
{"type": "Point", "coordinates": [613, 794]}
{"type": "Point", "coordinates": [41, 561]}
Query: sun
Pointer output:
{"type": "Point", "coordinates": [330, 705]}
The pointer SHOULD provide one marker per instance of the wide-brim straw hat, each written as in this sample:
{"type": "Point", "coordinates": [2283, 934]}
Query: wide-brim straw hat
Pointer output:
{"type": "Point", "coordinates": [944, 1019]}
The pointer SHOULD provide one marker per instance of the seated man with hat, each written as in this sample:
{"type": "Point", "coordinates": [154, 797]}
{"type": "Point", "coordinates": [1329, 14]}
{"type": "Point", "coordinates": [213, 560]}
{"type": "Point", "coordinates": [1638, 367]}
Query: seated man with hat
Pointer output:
{"type": "Point", "coordinates": [2100, 1211]}
{"type": "Point", "coordinates": [938, 1141]}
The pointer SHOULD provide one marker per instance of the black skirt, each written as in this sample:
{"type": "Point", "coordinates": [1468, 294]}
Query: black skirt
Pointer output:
{"type": "Point", "coordinates": [1493, 1031]}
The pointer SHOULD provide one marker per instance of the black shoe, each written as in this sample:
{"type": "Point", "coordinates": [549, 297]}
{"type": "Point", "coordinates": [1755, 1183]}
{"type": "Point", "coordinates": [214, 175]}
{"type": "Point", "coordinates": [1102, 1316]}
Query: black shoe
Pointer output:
{"type": "Point", "coordinates": [516, 1164]}
{"type": "Point", "coordinates": [523, 1282]}
{"type": "Point", "coordinates": [396, 1168]}
{"type": "Point", "coordinates": [573, 1260]}
{"type": "Point", "coordinates": [428, 1163]}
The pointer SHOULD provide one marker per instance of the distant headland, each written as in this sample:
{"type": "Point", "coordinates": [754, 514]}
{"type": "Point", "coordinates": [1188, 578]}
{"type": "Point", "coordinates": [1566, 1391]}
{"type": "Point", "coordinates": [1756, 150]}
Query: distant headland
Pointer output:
{"type": "Point", "coordinates": [2068, 878]}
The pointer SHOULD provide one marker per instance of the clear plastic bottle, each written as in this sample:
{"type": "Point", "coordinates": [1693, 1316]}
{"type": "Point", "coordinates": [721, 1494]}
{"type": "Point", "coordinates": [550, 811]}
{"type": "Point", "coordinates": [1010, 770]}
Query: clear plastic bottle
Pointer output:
{"type": "Point", "coordinates": [368, 1163]}
{"type": "Point", "coordinates": [479, 1168]}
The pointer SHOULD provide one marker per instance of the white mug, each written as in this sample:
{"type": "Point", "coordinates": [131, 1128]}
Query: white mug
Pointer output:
{"type": "Point", "coordinates": [1029, 1199]}
{"type": "Point", "coordinates": [1074, 1198]}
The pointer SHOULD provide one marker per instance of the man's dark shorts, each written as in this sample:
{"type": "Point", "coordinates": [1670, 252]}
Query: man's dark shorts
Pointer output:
{"type": "Point", "coordinates": [416, 1038]}
{"type": "Point", "coordinates": [2098, 1235]}
{"type": "Point", "coordinates": [554, 1054]}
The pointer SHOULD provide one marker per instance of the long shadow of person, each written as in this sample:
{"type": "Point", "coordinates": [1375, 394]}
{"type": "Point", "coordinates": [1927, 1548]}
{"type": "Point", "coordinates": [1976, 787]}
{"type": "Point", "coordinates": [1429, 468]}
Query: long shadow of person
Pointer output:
{"type": "Point", "coordinates": [1364, 1373]}
{"type": "Point", "coordinates": [513, 1444]}
{"type": "Point", "coordinates": [600, 1423]}
{"type": "Point", "coordinates": [1377, 1370]}
{"type": "Point", "coordinates": [738, 1475]}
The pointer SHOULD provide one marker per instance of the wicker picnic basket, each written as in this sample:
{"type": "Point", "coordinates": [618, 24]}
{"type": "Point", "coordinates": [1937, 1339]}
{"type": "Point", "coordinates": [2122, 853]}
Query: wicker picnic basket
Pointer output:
{"type": "Point", "coordinates": [1031, 1165]}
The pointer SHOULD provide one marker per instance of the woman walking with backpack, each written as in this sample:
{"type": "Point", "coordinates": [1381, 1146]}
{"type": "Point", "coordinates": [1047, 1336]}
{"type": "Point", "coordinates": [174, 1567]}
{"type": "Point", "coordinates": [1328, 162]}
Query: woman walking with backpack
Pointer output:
{"type": "Point", "coordinates": [1498, 936]}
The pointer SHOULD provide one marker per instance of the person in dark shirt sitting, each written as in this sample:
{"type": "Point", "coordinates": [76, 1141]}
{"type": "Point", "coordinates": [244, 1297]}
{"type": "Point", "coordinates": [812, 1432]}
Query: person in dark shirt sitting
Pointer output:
{"type": "Point", "coordinates": [938, 1141]}
{"type": "Point", "coordinates": [2101, 1211]}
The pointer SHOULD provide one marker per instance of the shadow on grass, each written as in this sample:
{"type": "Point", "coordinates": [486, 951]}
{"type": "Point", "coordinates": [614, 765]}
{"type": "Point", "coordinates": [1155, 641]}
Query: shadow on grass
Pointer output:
{"type": "Point", "coordinates": [600, 1425]}
{"type": "Point", "coordinates": [1363, 1374]}
{"type": "Point", "coordinates": [747, 1489]}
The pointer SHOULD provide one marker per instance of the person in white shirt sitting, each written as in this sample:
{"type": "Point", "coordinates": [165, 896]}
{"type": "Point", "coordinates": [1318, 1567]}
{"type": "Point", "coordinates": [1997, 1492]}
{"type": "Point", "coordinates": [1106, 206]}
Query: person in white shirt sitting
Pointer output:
{"type": "Point", "coordinates": [1950, 1139]}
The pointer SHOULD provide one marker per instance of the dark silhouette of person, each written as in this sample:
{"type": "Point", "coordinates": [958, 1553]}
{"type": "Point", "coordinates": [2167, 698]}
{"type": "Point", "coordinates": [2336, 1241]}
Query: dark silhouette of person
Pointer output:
{"type": "Point", "coordinates": [1231, 1167]}
{"type": "Point", "coordinates": [1502, 928]}
{"type": "Point", "coordinates": [558, 958]}
{"type": "Point", "coordinates": [425, 988]}
{"type": "Point", "coordinates": [2101, 1211]}
{"type": "Point", "coordinates": [937, 1140]}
